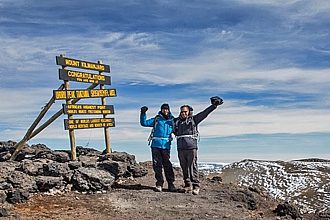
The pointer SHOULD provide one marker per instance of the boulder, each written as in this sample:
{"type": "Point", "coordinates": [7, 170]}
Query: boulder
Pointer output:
{"type": "Point", "coordinates": [285, 209]}
{"type": "Point", "coordinates": [57, 156]}
{"type": "Point", "coordinates": [20, 180]}
{"type": "Point", "coordinates": [216, 179]}
{"type": "Point", "coordinates": [4, 212]}
{"type": "Point", "coordinates": [121, 164]}
{"type": "Point", "coordinates": [88, 161]}
{"type": "Point", "coordinates": [116, 168]}
{"type": "Point", "coordinates": [61, 157]}
{"type": "Point", "coordinates": [33, 168]}
{"type": "Point", "coordinates": [37, 148]}
{"type": "Point", "coordinates": [38, 168]}
{"type": "Point", "coordinates": [87, 151]}
{"type": "Point", "coordinates": [92, 179]}
{"type": "Point", "coordinates": [46, 183]}
{"type": "Point", "coordinates": [7, 146]}
{"type": "Point", "coordinates": [17, 196]}
{"type": "Point", "coordinates": [137, 170]}
{"type": "Point", "coordinates": [26, 152]}
{"type": "Point", "coordinates": [74, 164]}
{"type": "Point", "coordinates": [245, 197]}
{"type": "Point", "coordinates": [6, 169]}
{"type": "Point", "coordinates": [56, 169]}
{"type": "Point", "coordinates": [3, 196]}
{"type": "Point", "coordinates": [4, 156]}
{"type": "Point", "coordinates": [324, 214]}
{"type": "Point", "coordinates": [119, 156]}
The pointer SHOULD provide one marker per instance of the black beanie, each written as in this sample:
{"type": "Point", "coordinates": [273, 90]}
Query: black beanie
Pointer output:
{"type": "Point", "coordinates": [165, 106]}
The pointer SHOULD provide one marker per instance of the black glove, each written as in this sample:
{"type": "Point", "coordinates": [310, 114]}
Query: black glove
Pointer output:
{"type": "Point", "coordinates": [216, 100]}
{"type": "Point", "coordinates": [144, 109]}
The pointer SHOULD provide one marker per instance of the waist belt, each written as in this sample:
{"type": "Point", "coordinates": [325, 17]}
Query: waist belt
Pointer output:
{"type": "Point", "coordinates": [187, 135]}
{"type": "Point", "coordinates": [160, 138]}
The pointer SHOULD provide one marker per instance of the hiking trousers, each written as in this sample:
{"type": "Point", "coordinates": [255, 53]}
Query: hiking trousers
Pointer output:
{"type": "Point", "coordinates": [188, 163]}
{"type": "Point", "coordinates": [160, 160]}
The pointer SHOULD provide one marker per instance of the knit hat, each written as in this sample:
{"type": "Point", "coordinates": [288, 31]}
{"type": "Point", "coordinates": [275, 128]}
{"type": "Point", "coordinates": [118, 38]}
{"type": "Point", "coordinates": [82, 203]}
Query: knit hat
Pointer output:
{"type": "Point", "coordinates": [165, 106]}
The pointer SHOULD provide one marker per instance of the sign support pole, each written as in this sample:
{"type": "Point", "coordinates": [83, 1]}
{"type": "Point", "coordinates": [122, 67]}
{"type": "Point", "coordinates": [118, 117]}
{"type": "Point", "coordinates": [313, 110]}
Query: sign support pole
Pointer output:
{"type": "Point", "coordinates": [20, 145]}
{"type": "Point", "coordinates": [106, 130]}
{"type": "Point", "coordinates": [55, 116]}
{"type": "Point", "coordinates": [71, 131]}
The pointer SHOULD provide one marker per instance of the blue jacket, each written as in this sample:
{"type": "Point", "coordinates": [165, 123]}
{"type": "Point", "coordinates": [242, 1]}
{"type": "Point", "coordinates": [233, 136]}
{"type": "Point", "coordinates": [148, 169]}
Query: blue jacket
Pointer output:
{"type": "Point", "coordinates": [162, 132]}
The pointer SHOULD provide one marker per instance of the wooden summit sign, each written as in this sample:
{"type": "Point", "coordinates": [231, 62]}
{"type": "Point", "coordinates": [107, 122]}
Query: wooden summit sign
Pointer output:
{"type": "Point", "coordinates": [69, 95]}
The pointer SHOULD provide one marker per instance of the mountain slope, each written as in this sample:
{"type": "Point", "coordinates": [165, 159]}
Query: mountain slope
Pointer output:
{"type": "Point", "coordinates": [305, 183]}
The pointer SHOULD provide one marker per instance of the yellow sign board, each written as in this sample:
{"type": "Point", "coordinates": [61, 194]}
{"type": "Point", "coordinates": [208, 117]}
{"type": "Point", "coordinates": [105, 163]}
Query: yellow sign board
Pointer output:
{"type": "Point", "coordinates": [85, 123]}
{"type": "Point", "coordinates": [83, 93]}
{"type": "Point", "coordinates": [84, 77]}
{"type": "Point", "coordinates": [88, 109]}
{"type": "Point", "coordinates": [64, 61]}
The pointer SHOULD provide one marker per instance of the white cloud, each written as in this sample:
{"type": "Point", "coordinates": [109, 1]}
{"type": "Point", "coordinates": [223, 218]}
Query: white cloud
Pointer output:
{"type": "Point", "coordinates": [243, 120]}
{"type": "Point", "coordinates": [232, 69]}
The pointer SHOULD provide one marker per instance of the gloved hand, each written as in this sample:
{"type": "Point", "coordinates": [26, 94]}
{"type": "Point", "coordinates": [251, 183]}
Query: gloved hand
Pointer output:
{"type": "Point", "coordinates": [144, 109]}
{"type": "Point", "coordinates": [216, 100]}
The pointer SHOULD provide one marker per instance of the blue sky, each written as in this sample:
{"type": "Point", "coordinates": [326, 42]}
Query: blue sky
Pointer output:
{"type": "Point", "coordinates": [269, 61]}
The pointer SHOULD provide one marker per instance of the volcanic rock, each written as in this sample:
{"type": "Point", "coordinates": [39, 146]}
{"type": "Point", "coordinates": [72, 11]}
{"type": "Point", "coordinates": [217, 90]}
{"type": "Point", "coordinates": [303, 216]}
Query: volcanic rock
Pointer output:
{"type": "Point", "coordinates": [92, 179]}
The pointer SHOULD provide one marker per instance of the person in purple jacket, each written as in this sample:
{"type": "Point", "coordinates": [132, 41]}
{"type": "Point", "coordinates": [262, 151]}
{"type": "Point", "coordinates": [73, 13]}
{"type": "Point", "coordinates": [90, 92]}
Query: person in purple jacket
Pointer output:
{"type": "Point", "coordinates": [186, 132]}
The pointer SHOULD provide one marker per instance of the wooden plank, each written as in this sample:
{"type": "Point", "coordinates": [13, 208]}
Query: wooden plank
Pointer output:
{"type": "Point", "coordinates": [78, 76]}
{"type": "Point", "coordinates": [85, 123]}
{"type": "Point", "coordinates": [83, 93]}
{"type": "Point", "coordinates": [65, 61]}
{"type": "Point", "coordinates": [88, 109]}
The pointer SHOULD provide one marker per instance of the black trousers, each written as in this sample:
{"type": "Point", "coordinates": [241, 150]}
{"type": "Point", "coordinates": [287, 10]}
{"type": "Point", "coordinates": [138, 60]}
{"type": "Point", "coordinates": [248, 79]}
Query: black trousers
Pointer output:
{"type": "Point", "coordinates": [188, 163]}
{"type": "Point", "coordinates": [160, 160]}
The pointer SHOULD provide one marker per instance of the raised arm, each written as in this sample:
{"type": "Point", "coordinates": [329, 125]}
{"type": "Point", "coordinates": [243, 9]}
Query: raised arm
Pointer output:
{"type": "Point", "coordinates": [143, 118]}
{"type": "Point", "coordinates": [202, 115]}
{"type": "Point", "coordinates": [215, 102]}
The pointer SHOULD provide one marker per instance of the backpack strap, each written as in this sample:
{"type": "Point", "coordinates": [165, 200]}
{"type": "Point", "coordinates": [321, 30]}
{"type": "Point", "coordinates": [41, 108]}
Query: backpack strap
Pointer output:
{"type": "Point", "coordinates": [151, 136]}
{"type": "Point", "coordinates": [194, 129]}
{"type": "Point", "coordinates": [195, 133]}
{"type": "Point", "coordinates": [175, 125]}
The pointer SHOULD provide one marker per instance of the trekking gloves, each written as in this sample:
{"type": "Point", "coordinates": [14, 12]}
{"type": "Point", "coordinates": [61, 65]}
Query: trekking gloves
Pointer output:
{"type": "Point", "coordinates": [216, 100]}
{"type": "Point", "coordinates": [144, 109]}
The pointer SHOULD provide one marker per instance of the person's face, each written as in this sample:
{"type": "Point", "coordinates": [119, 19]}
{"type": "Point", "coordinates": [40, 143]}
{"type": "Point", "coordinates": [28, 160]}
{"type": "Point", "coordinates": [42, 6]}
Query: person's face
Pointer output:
{"type": "Point", "coordinates": [165, 111]}
{"type": "Point", "coordinates": [184, 112]}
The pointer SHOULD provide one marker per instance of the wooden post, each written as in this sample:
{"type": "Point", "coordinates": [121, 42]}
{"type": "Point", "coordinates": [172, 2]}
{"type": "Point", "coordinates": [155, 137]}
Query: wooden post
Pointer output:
{"type": "Point", "coordinates": [20, 145]}
{"type": "Point", "coordinates": [70, 116]}
{"type": "Point", "coordinates": [106, 130]}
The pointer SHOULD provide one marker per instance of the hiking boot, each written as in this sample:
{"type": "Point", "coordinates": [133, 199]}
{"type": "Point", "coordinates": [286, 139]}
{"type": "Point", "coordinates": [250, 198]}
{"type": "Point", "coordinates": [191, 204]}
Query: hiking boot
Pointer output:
{"type": "Point", "coordinates": [195, 191]}
{"type": "Point", "coordinates": [171, 187]}
{"type": "Point", "coordinates": [158, 189]}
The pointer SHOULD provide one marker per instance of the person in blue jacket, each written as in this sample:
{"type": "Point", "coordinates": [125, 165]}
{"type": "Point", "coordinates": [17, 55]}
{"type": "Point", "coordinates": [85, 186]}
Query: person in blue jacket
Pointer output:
{"type": "Point", "coordinates": [161, 138]}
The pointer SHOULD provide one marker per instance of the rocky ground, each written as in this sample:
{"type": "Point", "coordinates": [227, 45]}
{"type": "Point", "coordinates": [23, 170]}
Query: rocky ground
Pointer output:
{"type": "Point", "coordinates": [122, 189]}
{"type": "Point", "coordinates": [134, 198]}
